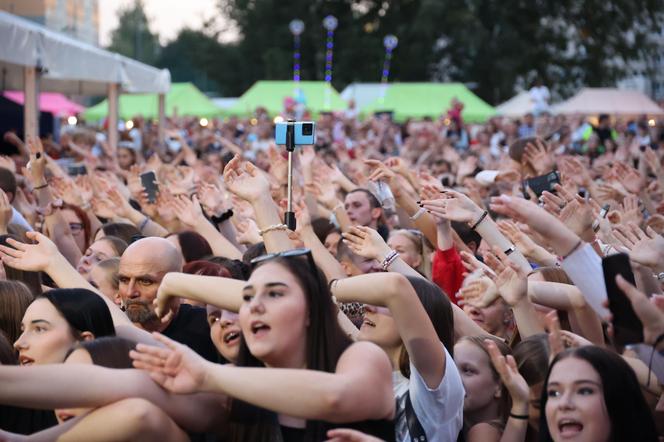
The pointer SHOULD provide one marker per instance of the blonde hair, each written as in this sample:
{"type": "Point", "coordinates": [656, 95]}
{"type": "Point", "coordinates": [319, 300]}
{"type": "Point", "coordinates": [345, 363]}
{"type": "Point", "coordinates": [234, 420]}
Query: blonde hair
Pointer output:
{"type": "Point", "coordinates": [422, 246]}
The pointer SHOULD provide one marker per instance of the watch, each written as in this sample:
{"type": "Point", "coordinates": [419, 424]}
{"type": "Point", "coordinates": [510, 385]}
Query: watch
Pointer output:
{"type": "Point", "coordinates": [50, 207]}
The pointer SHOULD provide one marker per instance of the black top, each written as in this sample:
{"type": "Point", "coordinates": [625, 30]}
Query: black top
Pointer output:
{"type": "Point", "coordinates": [382, 429]}
{"type": "Point", "coordinates": [25, 420]}
{"type": "Point", "coordinates": [190, 327]}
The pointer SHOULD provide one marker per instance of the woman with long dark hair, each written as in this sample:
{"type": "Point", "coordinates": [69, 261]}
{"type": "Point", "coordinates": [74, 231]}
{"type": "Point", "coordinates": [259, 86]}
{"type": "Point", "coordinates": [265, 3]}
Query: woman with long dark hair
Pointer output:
{"type": "Point", "coordinates": [306, 376]}
{"type": "Point", "coordinates": [592, 394]}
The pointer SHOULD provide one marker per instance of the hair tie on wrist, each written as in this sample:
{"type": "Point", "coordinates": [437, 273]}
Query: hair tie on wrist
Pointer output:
{"type": "Point", "coordinates": [474, 226]}
{"type": "Point", "coordinates": [524, 417]}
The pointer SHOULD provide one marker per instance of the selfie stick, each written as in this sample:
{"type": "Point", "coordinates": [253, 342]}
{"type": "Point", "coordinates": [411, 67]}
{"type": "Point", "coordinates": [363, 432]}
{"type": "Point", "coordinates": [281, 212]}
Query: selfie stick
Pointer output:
{"type": "Point", "coordinates": [289, 216]}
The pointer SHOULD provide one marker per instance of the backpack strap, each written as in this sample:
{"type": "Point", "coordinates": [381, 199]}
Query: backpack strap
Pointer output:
{"type": "Point", "coordinates": [414, 427]}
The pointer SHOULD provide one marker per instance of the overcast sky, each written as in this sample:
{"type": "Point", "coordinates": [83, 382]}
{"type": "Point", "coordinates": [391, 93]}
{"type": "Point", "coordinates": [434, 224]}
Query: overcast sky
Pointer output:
{"type": "Point", "coordinates": [166, 17]}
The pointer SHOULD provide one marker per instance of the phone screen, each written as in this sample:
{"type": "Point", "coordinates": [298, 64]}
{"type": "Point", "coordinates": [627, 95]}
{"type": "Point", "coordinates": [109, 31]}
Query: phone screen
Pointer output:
{"type": "Point", "coordinates": [541, 183]}
{"type": "Point", "coordinates": [627, 327]}
{"type": "Point", "coordinates": [149, 182]}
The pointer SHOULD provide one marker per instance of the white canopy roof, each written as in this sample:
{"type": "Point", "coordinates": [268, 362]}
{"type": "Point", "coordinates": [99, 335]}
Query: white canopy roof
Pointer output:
{"type": "Point", "coordinates": [364, 93]}
{"type": "Point", "coordinates": [591, 101]}
{"type": "Point", "coordinates": [68, 65]}
{"type": "Point", "coordinates": [517, 106]}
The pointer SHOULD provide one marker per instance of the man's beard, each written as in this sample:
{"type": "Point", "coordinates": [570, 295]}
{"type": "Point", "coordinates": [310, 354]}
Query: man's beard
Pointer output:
{"type": "Point", "coordinates": [140, 312]}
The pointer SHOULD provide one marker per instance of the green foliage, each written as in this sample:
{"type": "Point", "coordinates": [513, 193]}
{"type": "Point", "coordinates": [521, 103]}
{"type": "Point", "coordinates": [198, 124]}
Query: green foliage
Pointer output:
{"type": "Point", "coordinates": [132, 37]}
{"type": "Point", "coordinates": [494, 46]}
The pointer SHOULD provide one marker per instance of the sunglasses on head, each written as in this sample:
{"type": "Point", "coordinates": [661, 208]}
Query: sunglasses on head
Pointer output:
{"type": "Point", "coordinates": [286, 254]}
{"type": "Point", "coordinates": [293, 253]}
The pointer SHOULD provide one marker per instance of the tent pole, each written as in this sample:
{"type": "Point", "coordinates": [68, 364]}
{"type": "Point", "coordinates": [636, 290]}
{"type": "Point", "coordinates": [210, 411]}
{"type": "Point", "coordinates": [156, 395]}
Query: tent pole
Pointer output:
{"type": "Point", "coordinates": [113, 92]}
{"type": "Point", "coordinates": [30, 110]}
{"type": "Point", "coordinates": [162, 119]}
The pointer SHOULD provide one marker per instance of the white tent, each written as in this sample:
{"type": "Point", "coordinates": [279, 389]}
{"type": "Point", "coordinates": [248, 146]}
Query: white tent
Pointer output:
{"type": "Point", "coordinates": [592, 101]}
{"type": "Point", "coordinates": [68, 65]}
{"type": "Point", "coordinates": [517, 106]}
{"type": "Point", "coordinates": [33, 58]}
{"type": "Point", "coordinates": [364, 93]}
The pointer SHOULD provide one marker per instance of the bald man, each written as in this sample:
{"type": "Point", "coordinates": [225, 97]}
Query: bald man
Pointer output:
{"type": "Point", "coordinates": [142, 267]}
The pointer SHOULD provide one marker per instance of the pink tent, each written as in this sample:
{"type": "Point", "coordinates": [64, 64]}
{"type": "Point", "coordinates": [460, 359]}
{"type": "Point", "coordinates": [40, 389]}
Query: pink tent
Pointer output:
{"type": "Point", "coordinates": [51, 102]}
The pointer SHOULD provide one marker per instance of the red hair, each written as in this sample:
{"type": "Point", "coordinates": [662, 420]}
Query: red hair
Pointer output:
{"type": "Point", "coordinates": [206, 268]}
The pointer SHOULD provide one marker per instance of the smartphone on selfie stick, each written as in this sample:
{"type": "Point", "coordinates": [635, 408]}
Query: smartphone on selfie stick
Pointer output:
{"type": "Point", "coordinates": [291, 134]}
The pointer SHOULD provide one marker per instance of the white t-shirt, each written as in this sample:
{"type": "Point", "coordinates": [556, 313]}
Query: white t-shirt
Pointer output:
{"type": "Point", "coordinates": [540, 95]}
{"type": "Point", "coordinates": [440, 411]}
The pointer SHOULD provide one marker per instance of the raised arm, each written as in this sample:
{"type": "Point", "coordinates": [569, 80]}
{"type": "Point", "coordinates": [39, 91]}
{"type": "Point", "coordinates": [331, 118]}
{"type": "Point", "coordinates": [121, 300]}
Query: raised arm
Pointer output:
{"type": "Point", "coordinates": [245, 181]}
{"type": "Point", "coordinates": [225, 293]}
{"type": "Point", "coordinates": [190, 213]}
{"type": "Point", "coordinates": [359, 389]}
{"type": "Point", "coordinates": [77, 385]}
{"type": "Point", "coordinates": [43, 256]}
{"type": "Point", "coordinates": [395, 292]}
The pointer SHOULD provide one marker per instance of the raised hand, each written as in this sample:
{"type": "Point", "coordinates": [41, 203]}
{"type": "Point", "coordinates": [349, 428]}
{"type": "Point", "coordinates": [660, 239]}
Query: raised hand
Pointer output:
{"type": "Point", "coordinates": [248, 232]}
{"type": "Point", "coordinates": [472, 264]}
{"type": "Point", "coordinates": [538, 156]}
{"type": "Point", "coordinates": [522, 241]}
{"type": "Point", "coordinates": [30, 257]}
{"type": "Point", "coordinates": [650, 315]}
{"type": "Point", "coordinates": [645, 248]}
{"type": "Point", "coordinates": [512, 281]}
{"type": "Point", "coordinates": [134, 181]}
{"type": "Point", "coordinates": [380, 172]}
{"type": "Point", "coordinates": [631, 180]}
{"type": "Point", "coordinates": [576, 171]}
{"type": "Point", "coordinates": [212, 199]}
{"type": "Point", "coordinates": [278, 165]}
{"type": "Point", "coordinates": [177, 368]}
{"type": "Point", "coordinates": [366, 242]}
{"type": "Point", "coordinates": [631, 212]}
{"type": "Point", "coordinates": [578, 217]}
{"type": "Point", "coordinates": [455, 206]}
{"type": "Point", "coordinates": [653, 161]}
{"type": "Point", "coordinates": [188, 211]}
{"type": "Point", "coordinates": [509, 375]}
{"type": "Point", "coordinates": [37, 164]}
{"type": "Point", "coordinates": [397, 165]}
{"type": "Point", "coordinates": [479, 292]}
{"type": "Point", "coordinates": [245, 180]}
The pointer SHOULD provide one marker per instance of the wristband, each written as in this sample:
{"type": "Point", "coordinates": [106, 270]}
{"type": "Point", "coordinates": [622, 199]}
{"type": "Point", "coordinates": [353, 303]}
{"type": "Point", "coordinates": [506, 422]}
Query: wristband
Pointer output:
{"type": "Point", "coordinates": [524, 417]}
{"type": "Point", "coordinates": [574, 249]}
{"type": "Point", "coordinates": [223, 217]}
{"type": "Point", "coordinates": [418, 214]}
{"type": "Point", "coordinates": [509, 251]}
{"type": "Point", "coordinates": [389, 259]}
{"type": "Point", "coordinates": [40, 187]}
{"type": "Point", "coordinates": [143, 224]}
{"type": "Point", "coordinates": [272, 228]}
{"type": "Point", "coordinates": [474, 226]}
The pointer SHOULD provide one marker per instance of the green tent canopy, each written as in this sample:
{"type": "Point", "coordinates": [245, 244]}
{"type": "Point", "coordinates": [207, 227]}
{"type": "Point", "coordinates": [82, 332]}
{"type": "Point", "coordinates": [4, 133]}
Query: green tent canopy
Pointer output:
{"type": "Point", "coordinates": [418, 100]}
{"type": "Point", "coordinates": [184, 96]}
{"type": "Point", "coordinates": [317, 96]}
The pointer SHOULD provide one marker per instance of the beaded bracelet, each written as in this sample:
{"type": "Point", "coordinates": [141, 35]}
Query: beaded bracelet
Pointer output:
{"type": "Point", "coordinates": [273, 227]}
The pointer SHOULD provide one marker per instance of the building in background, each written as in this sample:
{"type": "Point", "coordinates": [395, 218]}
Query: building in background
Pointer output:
{"type": "Point", "coordinates": [76, 18]}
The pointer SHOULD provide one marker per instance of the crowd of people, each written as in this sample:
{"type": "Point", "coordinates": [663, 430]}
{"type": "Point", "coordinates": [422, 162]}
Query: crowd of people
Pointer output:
{"type": "Point", "coordinates": [445, 282]}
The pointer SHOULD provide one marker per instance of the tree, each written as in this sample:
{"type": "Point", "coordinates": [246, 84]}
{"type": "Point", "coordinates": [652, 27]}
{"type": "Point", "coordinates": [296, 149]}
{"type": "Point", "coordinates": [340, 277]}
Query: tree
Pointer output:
{"type": "Point", "coordinates": [133, 37]}
{"type": "Point", "coordinates": [568, 43]}
{"type": "Point", "coordinates": [197, 56]}
{"type": "Point", "coordinates": [493, 44]}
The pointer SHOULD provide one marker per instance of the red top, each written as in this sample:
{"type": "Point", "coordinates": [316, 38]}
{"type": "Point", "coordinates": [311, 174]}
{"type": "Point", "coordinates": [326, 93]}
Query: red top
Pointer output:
{"type": "Point", "coordinates": [447, 271]}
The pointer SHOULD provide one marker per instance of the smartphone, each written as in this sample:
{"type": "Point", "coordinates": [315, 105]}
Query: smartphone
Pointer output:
{"type": "Point", "coordinates": [304, 133]}
{"type": "Point", "coordinates": [77, 169]}
{"type": "Point", "coordinates": [627, 327]}
{"type": "Point", "coordinates": [149, 182]}
{"type": "Point", "coordinates": [541, 183]}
